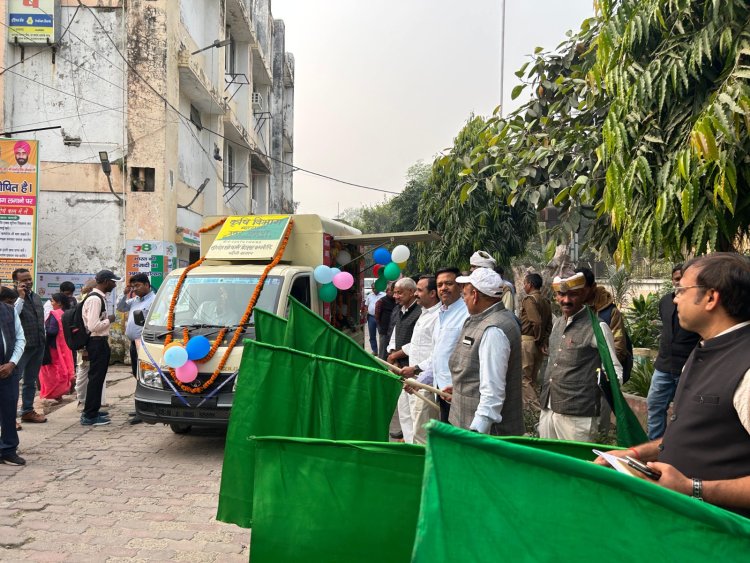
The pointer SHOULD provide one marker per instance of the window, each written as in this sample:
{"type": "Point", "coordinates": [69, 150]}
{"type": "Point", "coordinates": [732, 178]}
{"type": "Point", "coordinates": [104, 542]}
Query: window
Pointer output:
{"type": "Point", "coordinates": [142, 179]}
{"type": "Point", "coordinates": [301, 289]}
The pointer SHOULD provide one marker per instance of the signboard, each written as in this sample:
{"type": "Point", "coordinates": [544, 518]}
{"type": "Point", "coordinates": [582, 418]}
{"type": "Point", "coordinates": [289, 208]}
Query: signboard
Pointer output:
{"type": "Point", "coordinates": [48, 283]}
{"type": "Point", "coordinates": [155, 258]}
{"type": "Point", "coordinates": [19, 183]}
{"type": "Point", "coordinates": [33, 21]}
{"type": "Point", "coordinates": [252, 237]}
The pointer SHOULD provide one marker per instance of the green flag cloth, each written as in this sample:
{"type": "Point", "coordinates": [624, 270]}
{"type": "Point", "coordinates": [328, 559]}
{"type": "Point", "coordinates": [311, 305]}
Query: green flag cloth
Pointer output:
{"type": "Point", "coordinates": [319, 500]}
{"type": "Point", "coordinates": [309, 332]}
{"type": "Point", "coordinates": [283, 392]}
{"type": "Point", "coordinates": [485, 499]}
{"type": "Point", "coordinates": [269, 328]}
{"type": "Point", "coordinates": [578, 450]}
{"type": "Point", "coordinates": [629, 429]}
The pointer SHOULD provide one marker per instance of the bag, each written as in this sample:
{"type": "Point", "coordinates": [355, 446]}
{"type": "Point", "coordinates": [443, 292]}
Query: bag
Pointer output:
{"type": "Point", "coordinates": [75, 331]}
{"type": "Point", "coordinates": [605, 315]}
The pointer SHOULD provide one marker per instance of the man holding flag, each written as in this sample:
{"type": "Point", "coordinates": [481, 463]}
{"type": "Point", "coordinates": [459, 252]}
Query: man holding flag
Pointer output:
{"type": "Point", "coordinates": [571, 398]}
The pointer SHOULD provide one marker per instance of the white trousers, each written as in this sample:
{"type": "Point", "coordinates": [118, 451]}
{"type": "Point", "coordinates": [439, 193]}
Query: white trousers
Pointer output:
{"type": "Point", "coordinates": [404, 417]}
{"type": "Point", "coordinates": [565, 427]}
{"type": "Point", "coordinates": [421, 414]}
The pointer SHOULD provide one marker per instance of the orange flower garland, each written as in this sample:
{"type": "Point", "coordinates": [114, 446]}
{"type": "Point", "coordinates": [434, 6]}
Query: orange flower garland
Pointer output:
{"type": "Point", "coordinates": [222, 333]}
{"type": "Point", "coordinates": [212, 225]}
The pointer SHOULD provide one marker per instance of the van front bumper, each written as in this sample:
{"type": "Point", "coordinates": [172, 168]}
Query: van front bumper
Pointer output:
{"type": "Point", "coordinates": [160, 405]}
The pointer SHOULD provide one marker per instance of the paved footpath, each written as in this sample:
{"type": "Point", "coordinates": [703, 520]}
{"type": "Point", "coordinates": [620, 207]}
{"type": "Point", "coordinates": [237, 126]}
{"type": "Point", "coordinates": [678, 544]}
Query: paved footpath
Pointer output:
{"type": "Point", "coordinates": [115, 493]}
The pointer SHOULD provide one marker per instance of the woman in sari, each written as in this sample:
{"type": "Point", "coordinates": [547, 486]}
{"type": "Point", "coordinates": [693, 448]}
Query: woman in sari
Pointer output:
{"type": "Point", "coordinates": [57, 373]}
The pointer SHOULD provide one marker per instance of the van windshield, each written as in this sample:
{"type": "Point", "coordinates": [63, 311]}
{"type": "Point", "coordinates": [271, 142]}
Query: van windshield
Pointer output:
{"type": "Point", "coordinates": [213, 300]}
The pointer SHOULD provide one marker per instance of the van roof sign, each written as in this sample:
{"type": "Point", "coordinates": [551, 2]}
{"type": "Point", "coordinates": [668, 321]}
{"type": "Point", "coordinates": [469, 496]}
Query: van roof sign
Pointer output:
{"type": "Point", "coordinates": [249, 237]}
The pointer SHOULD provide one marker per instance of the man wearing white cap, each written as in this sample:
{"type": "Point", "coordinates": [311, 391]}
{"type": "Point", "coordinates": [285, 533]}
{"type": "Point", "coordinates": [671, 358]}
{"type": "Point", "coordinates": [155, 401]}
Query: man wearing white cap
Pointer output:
{"type": "Point", "coordinates": [486, 363]}
{"type": "Point", "coordinates": [482, 259]}
{"type": "Point", "coordinates": [571, 398]}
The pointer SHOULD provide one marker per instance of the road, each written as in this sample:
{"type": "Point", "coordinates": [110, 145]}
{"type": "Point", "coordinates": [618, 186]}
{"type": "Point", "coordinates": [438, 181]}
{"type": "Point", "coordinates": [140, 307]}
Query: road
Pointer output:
{"type": "Point", "coordinates": [115, 493]}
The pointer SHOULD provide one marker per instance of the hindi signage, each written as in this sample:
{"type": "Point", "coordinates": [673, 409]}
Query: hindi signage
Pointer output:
{"type": "Point", "coordinates": [155, 258]}
{"type": "Point", "coordinates": [252, 237]}
{"type": "Point", "coordinates": [32, 22]}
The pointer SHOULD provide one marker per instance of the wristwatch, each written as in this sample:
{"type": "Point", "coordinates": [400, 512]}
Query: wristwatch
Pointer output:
{"type": "Point", "coordinates": [417, 370]}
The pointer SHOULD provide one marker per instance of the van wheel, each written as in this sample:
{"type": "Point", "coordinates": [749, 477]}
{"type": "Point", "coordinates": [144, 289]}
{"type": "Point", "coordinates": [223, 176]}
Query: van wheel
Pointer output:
{"type": "Point", "coordinates": [180, 428]}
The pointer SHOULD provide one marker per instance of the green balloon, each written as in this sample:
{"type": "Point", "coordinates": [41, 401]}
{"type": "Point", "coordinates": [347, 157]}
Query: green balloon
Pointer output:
{"type": "Point", "coordinates": [381, 284]}
{"type": "Point", "coordinates": [392, 271]}
{"type": "Point", "coordinates": [327, 292]}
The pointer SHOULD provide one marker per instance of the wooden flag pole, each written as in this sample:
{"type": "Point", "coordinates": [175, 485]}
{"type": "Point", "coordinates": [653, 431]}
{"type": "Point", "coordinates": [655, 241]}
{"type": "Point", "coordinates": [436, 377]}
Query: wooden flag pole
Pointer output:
{"type": "Point", "coordinates": [413, 382]}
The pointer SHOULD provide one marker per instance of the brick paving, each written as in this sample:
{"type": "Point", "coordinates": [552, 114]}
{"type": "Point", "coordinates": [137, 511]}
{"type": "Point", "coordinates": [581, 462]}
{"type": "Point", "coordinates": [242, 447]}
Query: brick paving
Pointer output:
{"type": "Point", "coordinates": [115, 493]}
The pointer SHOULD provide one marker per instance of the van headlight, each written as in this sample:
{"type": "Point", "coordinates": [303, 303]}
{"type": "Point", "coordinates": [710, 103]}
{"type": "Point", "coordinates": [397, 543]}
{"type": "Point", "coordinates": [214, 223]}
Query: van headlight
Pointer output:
{"type": "Point", "coordinates": [148, 376]}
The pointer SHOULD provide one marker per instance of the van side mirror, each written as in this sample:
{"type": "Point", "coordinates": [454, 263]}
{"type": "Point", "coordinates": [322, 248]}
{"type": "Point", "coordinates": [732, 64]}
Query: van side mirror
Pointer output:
{"type": "Point", "coordinates": [139, 318]}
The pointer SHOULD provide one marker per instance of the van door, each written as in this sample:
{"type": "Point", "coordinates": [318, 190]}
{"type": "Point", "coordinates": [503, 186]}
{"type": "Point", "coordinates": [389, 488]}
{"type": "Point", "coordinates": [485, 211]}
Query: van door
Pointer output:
{"type": "Point", "coordinates": [301, 290]}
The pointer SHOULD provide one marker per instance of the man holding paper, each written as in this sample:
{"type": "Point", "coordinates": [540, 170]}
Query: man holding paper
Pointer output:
{"type": "Point", "coordinates": [705, 451]}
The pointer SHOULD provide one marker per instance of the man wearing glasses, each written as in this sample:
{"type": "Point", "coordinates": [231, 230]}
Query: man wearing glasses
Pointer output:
{"type": "Point", "coordinates": [705, 451]}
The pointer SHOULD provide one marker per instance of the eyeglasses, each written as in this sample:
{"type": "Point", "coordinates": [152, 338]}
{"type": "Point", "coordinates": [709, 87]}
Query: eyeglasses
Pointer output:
{"type": "Point", "coordinates": [682, 288]}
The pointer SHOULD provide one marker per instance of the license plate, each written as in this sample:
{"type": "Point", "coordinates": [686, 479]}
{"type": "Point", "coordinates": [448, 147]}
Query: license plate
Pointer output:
{"type": "Point", "coordinates": [195, 401]}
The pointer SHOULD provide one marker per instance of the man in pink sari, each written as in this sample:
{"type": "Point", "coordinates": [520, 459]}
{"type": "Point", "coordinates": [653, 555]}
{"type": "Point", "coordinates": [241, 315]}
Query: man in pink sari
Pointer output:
{"type": "Point", "coordinates": [57, 372]}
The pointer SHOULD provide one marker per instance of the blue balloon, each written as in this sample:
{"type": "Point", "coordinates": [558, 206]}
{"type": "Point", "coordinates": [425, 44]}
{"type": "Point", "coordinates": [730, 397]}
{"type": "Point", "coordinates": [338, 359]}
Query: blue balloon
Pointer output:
{"type": "Point", "coordinates": [198, 347]}
{"type": "Point", "coordinates": [323, 274]}
{"type": "Point", "coordinates": [176, 356]}
{"type": "Point", "coordinates": [382, 256]}
{"type": "Point", "coordinates": [335, 271]}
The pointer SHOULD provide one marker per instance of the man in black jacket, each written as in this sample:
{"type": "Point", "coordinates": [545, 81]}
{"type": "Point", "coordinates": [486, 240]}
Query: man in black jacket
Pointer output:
{"type": "Point", "coordinates": [31, 312]}
{"type": "Point", "coordinates": [675, 346]}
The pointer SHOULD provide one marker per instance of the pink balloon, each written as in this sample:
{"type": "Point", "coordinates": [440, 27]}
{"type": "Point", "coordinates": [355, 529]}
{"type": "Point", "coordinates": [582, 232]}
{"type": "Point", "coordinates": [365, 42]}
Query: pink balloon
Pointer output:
{"type": "Point", "coordinates": [187, 372]}
{"type": "Point", "coordinates": [343, 280]}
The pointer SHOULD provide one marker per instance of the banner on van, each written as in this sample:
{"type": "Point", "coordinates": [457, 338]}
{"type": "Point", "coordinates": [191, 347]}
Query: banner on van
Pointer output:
{"type": "Point", "coordinates": [252, 237]}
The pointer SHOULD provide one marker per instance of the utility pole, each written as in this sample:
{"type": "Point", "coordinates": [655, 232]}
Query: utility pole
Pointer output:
{"type": "Point", "coordinates": [502, 56]}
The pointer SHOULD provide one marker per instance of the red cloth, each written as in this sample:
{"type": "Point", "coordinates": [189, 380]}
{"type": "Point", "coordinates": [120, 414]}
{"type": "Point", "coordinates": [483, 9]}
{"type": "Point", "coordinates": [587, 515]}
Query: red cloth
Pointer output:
{"type": "Point", "coordinates": [55, 378]}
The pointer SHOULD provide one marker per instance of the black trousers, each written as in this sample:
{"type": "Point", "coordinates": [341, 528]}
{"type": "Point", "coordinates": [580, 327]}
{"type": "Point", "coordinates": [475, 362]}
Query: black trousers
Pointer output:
{"type": "Point", "coordinates": [133, 358]}
{"type": "Point", "coordinates": [445, 409]}
{"type": "Point", "coordinates": [99, 353]}
{"type": "Point", "coordinates": [8, 404]}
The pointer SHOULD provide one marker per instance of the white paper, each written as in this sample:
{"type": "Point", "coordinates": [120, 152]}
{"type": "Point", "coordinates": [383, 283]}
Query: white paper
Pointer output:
{"type": "Point", "coordinates": [617, 462]}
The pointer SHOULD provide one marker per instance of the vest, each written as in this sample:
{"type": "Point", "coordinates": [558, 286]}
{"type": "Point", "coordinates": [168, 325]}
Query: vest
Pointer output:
{"type": "Point", "coordinates": [405, 327]}
{"type": "Point", "coordinates": [464, 366]}
{"type": "Point", "coordinates": [570, 385]}
{"type": "Point", "coordinates": [705, 438]}
{"type": "Point", "coordinates": [8, 326]}
{"type": "Point", "coordinates": [32, 321]}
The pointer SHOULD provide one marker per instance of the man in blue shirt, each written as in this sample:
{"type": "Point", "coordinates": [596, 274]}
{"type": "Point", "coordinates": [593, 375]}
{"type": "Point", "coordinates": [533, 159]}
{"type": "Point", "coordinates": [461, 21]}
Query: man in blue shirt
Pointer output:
{"type": "Point", "coordinates": [142, 297]}
{"type": "Point", "coordinates": [12, 344]}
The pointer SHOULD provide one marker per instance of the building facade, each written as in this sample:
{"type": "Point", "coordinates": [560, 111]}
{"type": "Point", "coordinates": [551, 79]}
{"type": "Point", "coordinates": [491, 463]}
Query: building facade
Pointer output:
{"type": "Point", "coordinates": [193, 103]}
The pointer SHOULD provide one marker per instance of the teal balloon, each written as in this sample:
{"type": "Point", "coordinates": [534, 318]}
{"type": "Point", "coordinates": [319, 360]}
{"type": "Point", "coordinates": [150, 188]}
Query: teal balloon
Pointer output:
{"type": "Point", "coordinates": [380, 284]}
{"type": "Point", "coordinates": [391, 271]}
{"type": "Point", "coordinates": [327, 292]}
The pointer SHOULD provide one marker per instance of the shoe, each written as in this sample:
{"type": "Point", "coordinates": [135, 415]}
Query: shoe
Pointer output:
{"type": "Point", "coordinates": [132, 413]}
{"type": "Point", "coordinates": [396, 435]}
{"type": "Point", "coordinates": [135, 420]}
{"type": "Point", "coordinates": [103, 413]}
{"type": "Point", "coordinates": [13, 459]}
{"type": "Point", "coordinates": [33, 416]}
{"type": "Point", "coordinates": [18, 426]}
{"type": "Point", "coordinates": [96, 421]}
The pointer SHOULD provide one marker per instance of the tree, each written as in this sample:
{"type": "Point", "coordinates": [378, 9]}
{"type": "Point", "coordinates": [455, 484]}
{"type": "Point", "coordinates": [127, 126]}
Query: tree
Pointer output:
{"type": "Point", "coordinates": [638, 128]}
{"type": "Point", "coordinates": [470, 223]}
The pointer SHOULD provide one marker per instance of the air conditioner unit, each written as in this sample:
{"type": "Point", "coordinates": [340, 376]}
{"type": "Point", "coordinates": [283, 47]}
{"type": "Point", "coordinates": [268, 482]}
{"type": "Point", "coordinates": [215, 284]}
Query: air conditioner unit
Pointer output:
{"type": "Point", "coordinates": [257, 101]}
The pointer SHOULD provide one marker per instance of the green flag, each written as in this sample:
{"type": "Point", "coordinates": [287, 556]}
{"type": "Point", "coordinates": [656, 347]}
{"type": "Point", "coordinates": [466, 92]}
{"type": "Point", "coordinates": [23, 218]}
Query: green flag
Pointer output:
{"type": "Point", "coordinates": [319, 500]}
{"type": "Point", "coordinates": [629, 429]}
{"type": "Point", "coordinates": [269, 328]}
{"type": "Point", "coordinates": [485, 499]}
{"type": "Point", "coordinates": [283, 392]}
{"type": "Point", "coordinates": [309, 332]}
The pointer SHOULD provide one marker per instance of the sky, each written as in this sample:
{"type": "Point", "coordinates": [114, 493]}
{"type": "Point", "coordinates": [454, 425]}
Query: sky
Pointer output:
{"type": "Point", "coordinates": [383, 84]}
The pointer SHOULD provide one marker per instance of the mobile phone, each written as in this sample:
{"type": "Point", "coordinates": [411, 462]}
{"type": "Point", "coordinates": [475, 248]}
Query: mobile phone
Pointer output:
{"type": "Point", "coordinates": [643, 468]}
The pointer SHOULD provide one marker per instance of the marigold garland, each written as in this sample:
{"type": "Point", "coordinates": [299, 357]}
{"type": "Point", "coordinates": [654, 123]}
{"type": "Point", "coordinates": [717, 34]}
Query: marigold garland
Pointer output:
{"type": "Point", "coordinates": [213, 225]}
{"type": "Point", "coordinates": [223, 332]}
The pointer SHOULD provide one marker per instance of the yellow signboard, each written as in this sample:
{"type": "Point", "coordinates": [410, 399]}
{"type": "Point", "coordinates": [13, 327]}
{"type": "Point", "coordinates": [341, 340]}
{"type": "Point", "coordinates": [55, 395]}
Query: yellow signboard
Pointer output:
{"type": "Point", "coordinates": [252, 237]}
{"type": "Point", "coordinates": [33, 21]}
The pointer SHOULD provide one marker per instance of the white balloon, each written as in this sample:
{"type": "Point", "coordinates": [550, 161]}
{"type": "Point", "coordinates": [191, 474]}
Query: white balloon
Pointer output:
{"type": "Point", "coordinates": [343, 257]}
{"type": "Point", "coordinates": [400, 254]}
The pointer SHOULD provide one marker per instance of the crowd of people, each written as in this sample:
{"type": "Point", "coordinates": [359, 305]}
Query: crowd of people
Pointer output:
{"type": "Point", "coordinates": [35, 356]}
{"type": "Point", "coordinates": [458, 333]}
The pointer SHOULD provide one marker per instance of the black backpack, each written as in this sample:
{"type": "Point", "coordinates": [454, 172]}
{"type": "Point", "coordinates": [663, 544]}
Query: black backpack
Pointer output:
{"type": "Point", "coordinates": [76, 334]}
{"type": "Point", "coordinates": [605, 315]}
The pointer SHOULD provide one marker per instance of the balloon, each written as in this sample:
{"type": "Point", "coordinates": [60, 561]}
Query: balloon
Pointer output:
{"type": "Point", "coordinates": [175, 357]}
{"type": "Point", "coordinates": [400, 254]}
{"type": "Point", "coordinates": [327, 292]}
{"type": "Point", "coordinates": [187, 372]}
{"type": "Point", "coordinates": [381, 274]}
{"type": "Point", "coordinates": [381, 284]}
{"type": "Point", "coordinates": [334, 271]}
{"type": "Point", "coordinates": [170, 345]}
{"type": "Point", "coordinates": [376, 268]}
{"type": "Point", "coordinates": [401, 265]}
{"type": "Point", "coordinates": [198, 347]}
{"type": "Point", "coordinates": [344, 280]}
{"type": "Point", "coordinates": [323, 274]}
{"type": "Point", "coordinates": [343, 258]}
{"type": "Point", "coordinates": [392, 271]}
{"type": "Point", "coordinates": [381, 256]}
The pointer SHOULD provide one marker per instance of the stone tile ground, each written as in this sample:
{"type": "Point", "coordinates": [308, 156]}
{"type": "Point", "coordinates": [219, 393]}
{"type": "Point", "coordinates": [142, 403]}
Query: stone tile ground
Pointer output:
{"type": "Point", "coordinates": [115, 493]}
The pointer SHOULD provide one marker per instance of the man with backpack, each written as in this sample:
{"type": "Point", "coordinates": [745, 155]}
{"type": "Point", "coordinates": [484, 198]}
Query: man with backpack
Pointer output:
{"type": "Point", "coordinates": [97, 323]}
